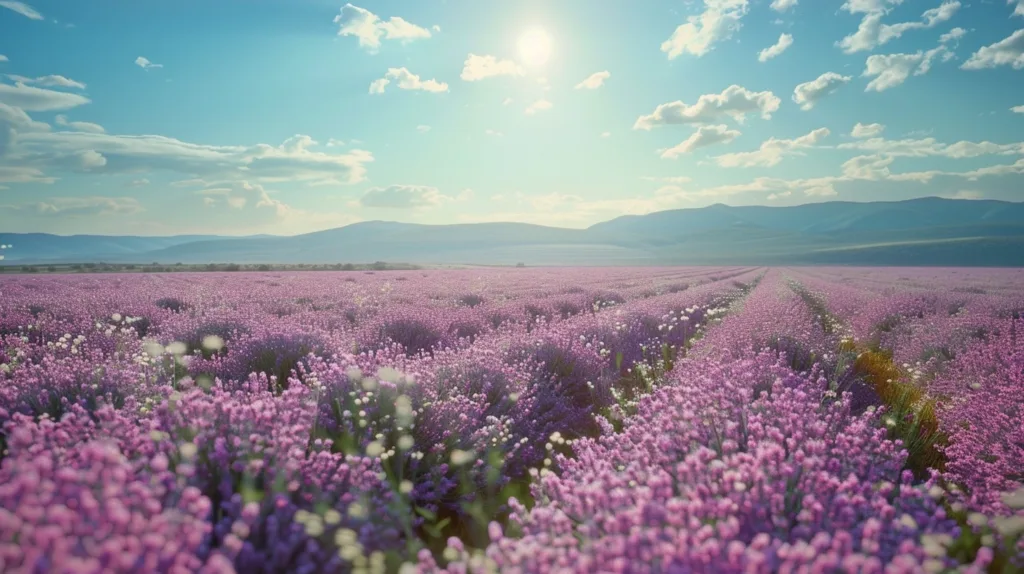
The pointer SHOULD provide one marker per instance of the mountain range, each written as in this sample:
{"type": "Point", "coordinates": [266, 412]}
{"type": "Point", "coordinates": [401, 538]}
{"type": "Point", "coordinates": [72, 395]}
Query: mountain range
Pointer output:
{"type": "Point", "coordinates": [926, 231]}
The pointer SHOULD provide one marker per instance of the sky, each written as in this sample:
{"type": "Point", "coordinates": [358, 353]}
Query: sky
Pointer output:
{"type": "Point", "coordinates": [239, 117]}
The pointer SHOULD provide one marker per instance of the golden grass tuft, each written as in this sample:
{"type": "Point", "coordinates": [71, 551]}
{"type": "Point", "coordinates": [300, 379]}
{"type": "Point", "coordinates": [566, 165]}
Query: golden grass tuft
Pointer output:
{"type": "Point", "coordinates": [910, 413]}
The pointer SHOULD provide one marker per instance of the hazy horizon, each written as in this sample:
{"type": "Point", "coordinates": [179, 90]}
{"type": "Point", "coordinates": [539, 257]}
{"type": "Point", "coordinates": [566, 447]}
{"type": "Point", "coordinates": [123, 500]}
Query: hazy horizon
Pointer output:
{"type": "Point", "coordinates": [285, 118]}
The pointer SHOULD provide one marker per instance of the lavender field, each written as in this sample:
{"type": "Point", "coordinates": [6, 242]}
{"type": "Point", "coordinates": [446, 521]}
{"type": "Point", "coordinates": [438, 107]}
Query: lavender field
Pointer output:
{"type": "Point", "coordinates": [514, 420]}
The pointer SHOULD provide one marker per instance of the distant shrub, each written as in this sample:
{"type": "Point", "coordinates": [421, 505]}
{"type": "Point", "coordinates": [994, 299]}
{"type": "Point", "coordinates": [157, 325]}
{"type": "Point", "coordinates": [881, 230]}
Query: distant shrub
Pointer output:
{"type": "Point", "coordinates": [798, 356]}
{"type": "Point", "coordinates": [609, 299]}
{"type": "Point", "coordinates": [141, 325]}
{"type": "Point", "coordinates": [577, 378]}
{"type": "Point", "coordinates": [277, 355]}
{"type": "Point", "coordinates": [466, 330]}
{"type": "Point", "coordinates": [226, 331]}
{"type": "Point", "coordinates": [414, 336]}
{"type": "Point", "coordinates": [172, 304]}
{"type": "Point", "coordinates": [471, 300]}
{"type": "Point", "coordinates": [534, 315]}
{"type": "Point", "coordinates": [498, 318]}
{"type": "Point", "coordinates": [477, 382]}
{"type": "Point", "coordinates": [567, 309]}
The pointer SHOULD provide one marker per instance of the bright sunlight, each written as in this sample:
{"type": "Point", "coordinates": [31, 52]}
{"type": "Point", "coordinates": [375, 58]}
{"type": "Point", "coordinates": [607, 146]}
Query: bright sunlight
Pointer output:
{"type": "Point", "coordinates": [535, 47]}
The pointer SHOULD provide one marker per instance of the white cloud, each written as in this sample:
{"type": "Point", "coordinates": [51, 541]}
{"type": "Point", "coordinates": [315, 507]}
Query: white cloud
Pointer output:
{"type": "Point", "coordinates": [720, 19]}
{"type": "Point", "coordinates": [292, 162]}
{"type": "Point", "coordinates": [22, 174]}
{"type": "Point", "coordinates": [507, 101]}
{"type": "Point", "coordinates": [594, 81]}
{"type": "Point", "coordinates": [145, 64]}
{"type": "Point", "coordinates": [4, 58]}
{"type": "Point", "coordinates": [874, 169]}
{"type": "Point", "coordinates": [930, 147]}
{"type": "Point", "coordinates": [826, 190]}
{"type": "Point", "coordinates": [423, 128]}
{"type": "Point", "coordinates": [703, 137]}
{"type": "Point", "coordinates": [406, 80]}
{"type": "Point", "coordinates": [21, 8]}
{"type": "Point", "coordinates": [15, 117]}
{"type": "Point", "coordinates": [953, 35]}
{"type": "Point", "coordinates": [783, 5]}
{"type": "Point", "coordinates": [298, 143]}
{"type": "Point", "coordinates": [62, 120]}
{"type": "Point", "coordinates": [141, 182]}
{"type": "Point", "coordinates": [79, 206]}
{"type": "Point", "coordinates": [494, 133]}
{"type": "Point", "coordinates": [1007, 52]}
{"type": "Point", "coordinates": [239, 194]}
{"type": "Point", "coordinates": [891, 70]}
{"type": "Point", "coordinates": [675, 179]}
{"type": "Point", "coordinates": [34, 99]}
{"type": "Point", "coordinates": [872, 33]}
{"type": "Point", "coordinates": [809, 93]}
{"type": "Point", "coordinates": [867, 130]}
{"type": "Point", "coordinates": [1019, 8]}
{"type": "Point", "coordinates": [773, 150]}
{"type": "Point", "coordinates": [869, 167]}
{"type": "Point", "coordinates": [734, 102]}
{"type": "Point", "coordinates": [868, 6]}
{"type": "Point", "coordinates": [606, 134]}
{"type": "Point", "coordinates": [785, 41]}
{"type": "Point", "coordinates": [538, 106]}
{"type": "Point", "coordinates": [1017, 109]}
{"type": "Point", "coordinates": [874, 166]}
{"type": "Point", "coordinates": [402, 197]}
{"type": "Point", "coordinates": [370, 29]}
{"type": "Point", "coordinates": [48, 82]}
{"type": "Point", "coordinates": [1015, 168]}
{"type": "Point", "coordinates": [435, 28]}
{"type": "Point", "coordinates": [335, 143]}
{"type": "Point", "coordinates": [477, 68]}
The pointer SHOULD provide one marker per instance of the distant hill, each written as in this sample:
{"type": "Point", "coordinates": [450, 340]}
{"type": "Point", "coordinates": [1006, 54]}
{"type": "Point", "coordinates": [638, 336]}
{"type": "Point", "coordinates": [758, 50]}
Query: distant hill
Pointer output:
{"type": "Point", "coordinates": [928, 231]}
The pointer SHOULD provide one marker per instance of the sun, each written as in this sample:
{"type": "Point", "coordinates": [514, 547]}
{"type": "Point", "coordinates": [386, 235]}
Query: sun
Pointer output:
{"type": "Point", "coordinates": [535, 47]}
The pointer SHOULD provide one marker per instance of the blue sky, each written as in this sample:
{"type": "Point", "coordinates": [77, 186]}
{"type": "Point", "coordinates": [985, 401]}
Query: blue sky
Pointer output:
{"type": "Point", "coordinates": [273, 116]}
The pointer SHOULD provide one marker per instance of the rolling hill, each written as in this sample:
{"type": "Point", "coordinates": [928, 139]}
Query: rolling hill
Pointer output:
{"type": "Point", "coordinates": [927, 231]}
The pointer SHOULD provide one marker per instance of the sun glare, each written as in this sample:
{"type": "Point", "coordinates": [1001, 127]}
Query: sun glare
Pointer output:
{"type": "Point", "coordinates": [535, 47]}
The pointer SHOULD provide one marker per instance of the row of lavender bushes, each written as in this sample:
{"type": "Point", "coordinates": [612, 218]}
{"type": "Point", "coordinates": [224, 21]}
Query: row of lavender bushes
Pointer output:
{"type": "Point", "coordinates": [202, 436]}
{"type": "Point", "coordinates": [630, 436]}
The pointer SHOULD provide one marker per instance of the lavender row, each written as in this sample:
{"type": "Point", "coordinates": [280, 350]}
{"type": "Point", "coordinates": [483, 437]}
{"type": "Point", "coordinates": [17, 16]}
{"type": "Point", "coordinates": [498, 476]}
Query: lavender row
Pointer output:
{"type": "Point", "coordinates": [314, 469]}
{"type": "Point", "coordinates": [744, 464]}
